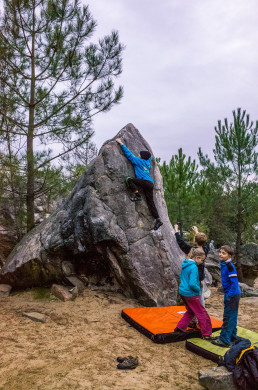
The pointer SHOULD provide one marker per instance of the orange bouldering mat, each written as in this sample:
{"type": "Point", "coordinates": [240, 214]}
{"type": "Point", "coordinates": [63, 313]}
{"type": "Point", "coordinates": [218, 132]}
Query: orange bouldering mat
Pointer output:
{"type": "Point", "coordinates": [158, 323]}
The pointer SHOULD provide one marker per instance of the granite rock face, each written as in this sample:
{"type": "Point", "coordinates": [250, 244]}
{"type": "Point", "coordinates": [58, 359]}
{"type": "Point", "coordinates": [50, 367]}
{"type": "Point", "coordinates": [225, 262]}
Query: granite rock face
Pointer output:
{"type": "Point", "coordinates": [108, 238]}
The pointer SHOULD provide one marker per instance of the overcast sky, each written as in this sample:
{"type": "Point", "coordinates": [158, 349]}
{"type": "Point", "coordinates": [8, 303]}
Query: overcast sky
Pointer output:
{"type": "Point", "coordinates": [187, 64]}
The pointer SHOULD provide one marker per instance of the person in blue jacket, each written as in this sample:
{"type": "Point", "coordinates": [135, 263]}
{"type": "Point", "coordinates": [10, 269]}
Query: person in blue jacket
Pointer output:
{"type": "Point", "coordinates": [189, 290]}
{"type": "Point", "coordinates": [143, 179]}
{"type": "Point", "coordinates": [231, 298]}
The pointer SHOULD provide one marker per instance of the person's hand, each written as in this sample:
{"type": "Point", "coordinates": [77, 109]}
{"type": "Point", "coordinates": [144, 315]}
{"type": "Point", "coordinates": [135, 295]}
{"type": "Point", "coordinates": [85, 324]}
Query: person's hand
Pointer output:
{"type": "Point", "coordinates": [118, 140]}
{"type": "Point", "coordinates": [176, 228]}
{"type": "Point", "coordinates": [195, 229]}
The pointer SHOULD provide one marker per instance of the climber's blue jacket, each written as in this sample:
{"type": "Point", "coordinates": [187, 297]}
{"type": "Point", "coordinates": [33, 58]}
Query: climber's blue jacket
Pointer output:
{"type": "Point", "coordinates": [141, 166]}
{"type": "Point", "coordinates": [229, 279]}
{"type": "Point", "coordinates": [189, 279]}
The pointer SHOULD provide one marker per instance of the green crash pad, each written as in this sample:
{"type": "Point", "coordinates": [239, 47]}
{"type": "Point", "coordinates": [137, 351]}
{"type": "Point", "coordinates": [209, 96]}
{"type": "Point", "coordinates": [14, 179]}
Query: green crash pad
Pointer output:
{"type": "Point", "coordinates": [210, 351]}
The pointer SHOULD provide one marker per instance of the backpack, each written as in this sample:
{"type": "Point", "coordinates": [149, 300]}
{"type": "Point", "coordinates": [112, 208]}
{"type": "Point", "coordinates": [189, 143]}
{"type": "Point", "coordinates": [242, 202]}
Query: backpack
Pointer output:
{"type": "Point", "coordinates": [245, 373]}
{"type": "Point", "coordinates": [242, 360]}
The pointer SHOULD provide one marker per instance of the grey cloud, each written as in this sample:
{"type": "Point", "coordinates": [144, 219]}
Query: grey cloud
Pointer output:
{"type": "Point", "coordinates": [186, 65]}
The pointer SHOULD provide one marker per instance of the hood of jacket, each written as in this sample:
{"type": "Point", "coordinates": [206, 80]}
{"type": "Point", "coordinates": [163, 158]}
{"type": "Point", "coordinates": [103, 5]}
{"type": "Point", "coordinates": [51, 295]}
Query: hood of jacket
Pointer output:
{"type": "Point", "coordinates": [188, 263]}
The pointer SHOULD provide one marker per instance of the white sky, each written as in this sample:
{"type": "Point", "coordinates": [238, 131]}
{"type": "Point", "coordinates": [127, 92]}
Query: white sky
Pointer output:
{"type": "Point", "coordinates": [187, 64]}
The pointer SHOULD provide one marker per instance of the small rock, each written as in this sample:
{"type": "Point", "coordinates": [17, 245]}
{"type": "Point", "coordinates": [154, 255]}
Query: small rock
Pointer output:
{"type": "Point", "coordinates": [84, 279]}
{"type": "Point", "coordinates": [75, 281]}
{"type": "Point", "coordinates": [61, 292]}
{"type": "Point", "coordinates": [216, 378]}
{"type": "Point", "coordinates": [67, 268]}
{"type": "Point", "coordinates": [5, 289]}
{"type": "Point", "coordinates": [74, 291]}
{"type": "Point", "coordinates": [38, 317]}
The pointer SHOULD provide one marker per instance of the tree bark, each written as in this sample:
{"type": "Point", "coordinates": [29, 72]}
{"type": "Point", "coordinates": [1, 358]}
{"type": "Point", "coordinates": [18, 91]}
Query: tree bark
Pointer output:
{"type": "Point", "coordinates": [239, 229]}
{"type": "Point", "coordinates": [180, 218]}
{"type": "Point", "coordinates": [30, 137]}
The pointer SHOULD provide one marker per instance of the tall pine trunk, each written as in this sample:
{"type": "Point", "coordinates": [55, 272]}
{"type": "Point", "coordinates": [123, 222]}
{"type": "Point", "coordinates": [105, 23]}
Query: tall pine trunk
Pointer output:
{"type": "Point", "coordinates": [239, 228]}
{"type": "Point", "coordinates": [180, 222]}
{"type": "Point", "coordinates": [30, 138]}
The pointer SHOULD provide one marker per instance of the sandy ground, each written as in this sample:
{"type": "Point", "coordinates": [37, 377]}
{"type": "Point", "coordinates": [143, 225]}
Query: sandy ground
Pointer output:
{"type": "Point", "coordinates": [76, 348]}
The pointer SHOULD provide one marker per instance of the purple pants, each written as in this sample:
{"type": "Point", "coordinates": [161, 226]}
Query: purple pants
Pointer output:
{"type": "Point", "coordinates": [195, 309]}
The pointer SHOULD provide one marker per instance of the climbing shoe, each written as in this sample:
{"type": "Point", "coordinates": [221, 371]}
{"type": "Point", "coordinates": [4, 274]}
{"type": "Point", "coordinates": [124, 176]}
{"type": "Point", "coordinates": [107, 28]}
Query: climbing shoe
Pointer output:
{"type": "Point", "coordinates": [128, 364]}
{"type": "Point", "coordinates": [177, 330]}
{"type": "Point", "coordinates": [136, 197]}
{"type": "Point", "coordinates": [220, 343]}
{"type": "Point", "coordinates": [122, 359]}
{"type": "Point", "coordinates": [158, 223]}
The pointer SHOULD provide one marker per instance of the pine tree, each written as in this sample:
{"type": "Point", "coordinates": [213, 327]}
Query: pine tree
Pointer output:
{"type": "Point", "coordinates": [179, 177]}
{"type": "Point", "coordinates": [235, 153]}
{"type": "Point", "coordinates": [213, 203]}
{"type": "Point", "coordinates": [55, 80]}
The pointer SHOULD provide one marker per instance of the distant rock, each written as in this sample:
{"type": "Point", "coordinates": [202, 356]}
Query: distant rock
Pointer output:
{"type": "Point", "coordinates": [247, 291]}
{"type": "Point", "coordinates": [107, 237]}
{"type": "Point", "coordinates": [212, 265]}
{"type": "Point", "coordinates": [249, 262]}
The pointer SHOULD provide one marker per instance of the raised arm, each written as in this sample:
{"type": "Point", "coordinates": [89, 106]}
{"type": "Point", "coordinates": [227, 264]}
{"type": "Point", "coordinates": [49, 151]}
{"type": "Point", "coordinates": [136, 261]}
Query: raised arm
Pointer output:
{"type": "Point", "coordinates": [181, 243]}
{"type": "Point", "coordinates": [134, 160]}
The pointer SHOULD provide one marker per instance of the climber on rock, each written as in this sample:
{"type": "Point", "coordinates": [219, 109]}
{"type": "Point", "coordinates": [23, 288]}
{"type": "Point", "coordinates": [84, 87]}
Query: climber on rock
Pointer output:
{"type": "Point", "coordinates": [143, 179]}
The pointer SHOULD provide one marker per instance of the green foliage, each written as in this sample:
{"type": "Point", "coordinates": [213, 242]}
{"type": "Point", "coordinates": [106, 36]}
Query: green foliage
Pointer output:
{"type": "Point", "coordinates": [179, 179]}
{"type": "Point", "coordinates": [234, 150]}
{"type": "Point", "coordinates": [53, 80]}
{"type": "Point", "coordinates": [213, 202]}
{"type": "Point", "coordinates": [237, 158]}
{"type": "Point", "coordinates": [76, 162]}
{"type": "Point", "coordinates": [221, 198]}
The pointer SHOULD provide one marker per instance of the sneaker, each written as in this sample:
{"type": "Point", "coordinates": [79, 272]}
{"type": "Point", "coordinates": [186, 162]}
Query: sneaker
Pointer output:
{"type": "Point", "coordinates": [128, 364]}
{"type": "Point", "coordinates": [122, 359]}
{"type": "Point", "coordinates": [158, 223]}
{"type": "Point", "coordinates": [208, 338]}
{"type": "Point", "coordinates": [220, 343]}
{"type": "Point", "coordinates": [136, 197]}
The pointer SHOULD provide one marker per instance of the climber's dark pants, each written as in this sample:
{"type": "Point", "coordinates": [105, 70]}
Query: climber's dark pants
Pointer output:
{"type": "Point", "coordinates": [147, 187]}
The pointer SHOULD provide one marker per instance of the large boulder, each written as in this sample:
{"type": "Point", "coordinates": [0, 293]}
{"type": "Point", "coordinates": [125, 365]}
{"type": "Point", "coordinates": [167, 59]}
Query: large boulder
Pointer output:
{"type": "Point", "coordinates": [107, 237]}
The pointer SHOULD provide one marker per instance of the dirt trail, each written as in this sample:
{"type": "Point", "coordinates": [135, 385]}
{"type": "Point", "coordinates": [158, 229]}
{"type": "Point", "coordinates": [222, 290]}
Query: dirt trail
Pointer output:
{"type": "Point", "coordinates": [77, 347]}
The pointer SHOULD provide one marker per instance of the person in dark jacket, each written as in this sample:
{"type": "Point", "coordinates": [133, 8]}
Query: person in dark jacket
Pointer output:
{"type": "Point", "coordinates": [189, 290]}
{"type": "Point", "coordinates": [200, 240]}
{"type": "Point", "coordinates": [143, 179]}
{"type": "Point", "coordinates": [231, 298]}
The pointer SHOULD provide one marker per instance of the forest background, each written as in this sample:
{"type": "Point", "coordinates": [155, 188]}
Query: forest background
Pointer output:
{"type": "Point", "coordinates": [53, 82]}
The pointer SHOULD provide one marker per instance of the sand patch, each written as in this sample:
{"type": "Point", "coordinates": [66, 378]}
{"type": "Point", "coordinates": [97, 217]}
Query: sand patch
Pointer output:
{"type": "Point", "coordinates": [77, 347]}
